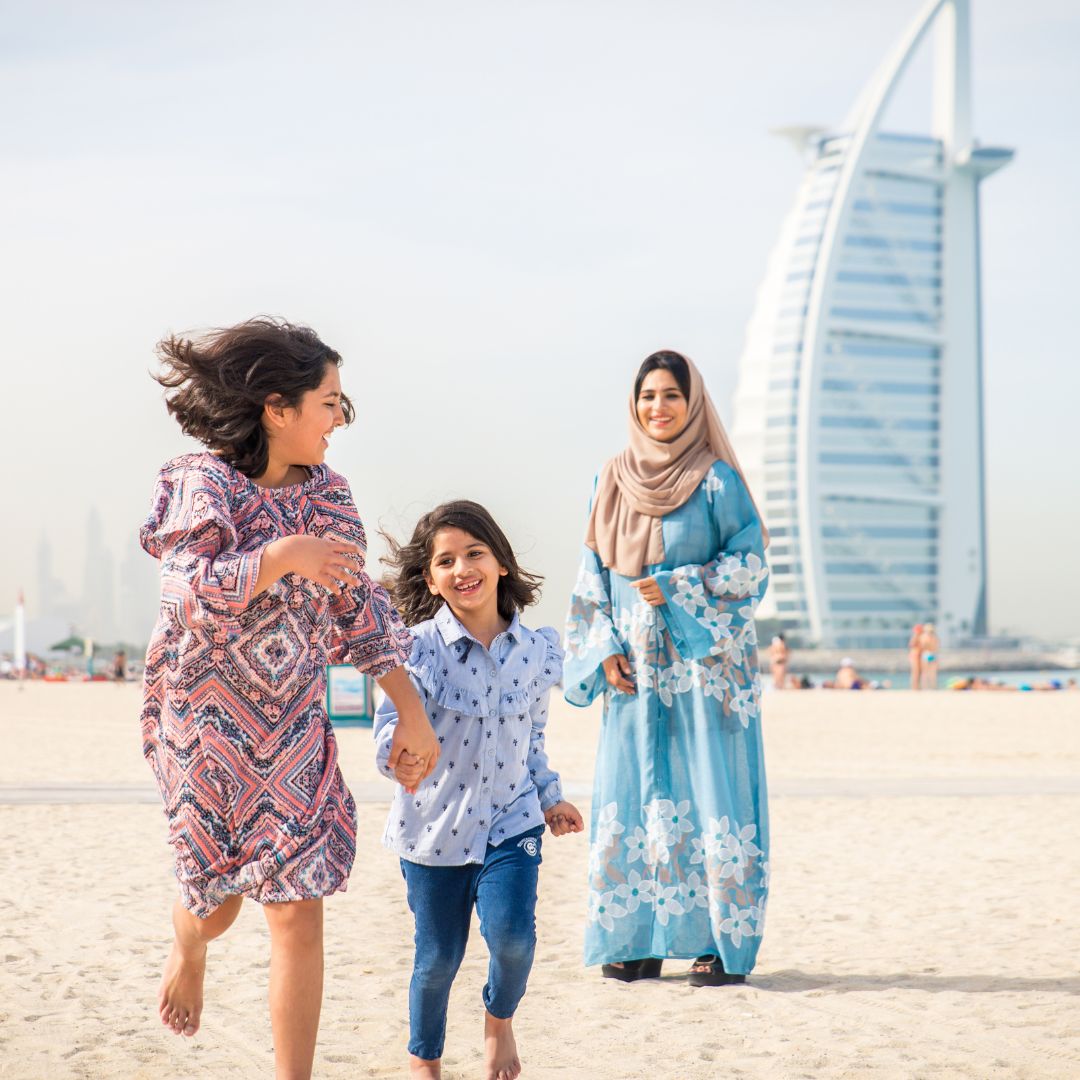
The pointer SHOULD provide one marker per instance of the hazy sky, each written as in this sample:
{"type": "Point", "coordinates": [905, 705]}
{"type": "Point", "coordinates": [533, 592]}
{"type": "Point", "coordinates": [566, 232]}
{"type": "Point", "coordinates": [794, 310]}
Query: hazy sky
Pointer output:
{"type": "Point", "coordinates": [494, 211]}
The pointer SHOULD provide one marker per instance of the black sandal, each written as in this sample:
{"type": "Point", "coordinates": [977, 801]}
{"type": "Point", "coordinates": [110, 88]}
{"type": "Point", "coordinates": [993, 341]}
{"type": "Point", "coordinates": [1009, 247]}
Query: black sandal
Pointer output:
{"type": "Point", "coordinates": [632, 970]}
{"type": "Point", "coordinates": [713, 973]}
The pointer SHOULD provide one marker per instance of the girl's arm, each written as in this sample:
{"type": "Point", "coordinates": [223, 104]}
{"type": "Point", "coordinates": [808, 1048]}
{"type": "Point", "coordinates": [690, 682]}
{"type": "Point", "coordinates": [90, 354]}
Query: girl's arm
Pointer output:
{"type": "Point", "coordinates": [411, 730]}
{"type": "Point", "coordinates": [546, 779]}
{"type": "Point", "coordinates": [205, 580]}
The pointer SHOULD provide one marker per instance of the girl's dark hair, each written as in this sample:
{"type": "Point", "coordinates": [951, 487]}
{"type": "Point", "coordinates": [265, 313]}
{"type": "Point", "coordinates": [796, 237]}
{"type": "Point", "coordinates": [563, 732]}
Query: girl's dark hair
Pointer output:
{"type": "Point", "coordinates": [220, 382]}
{"type": "Point", "coordinates": [409, 562]}
{"type": "Point", "coordinates": [668, 361]}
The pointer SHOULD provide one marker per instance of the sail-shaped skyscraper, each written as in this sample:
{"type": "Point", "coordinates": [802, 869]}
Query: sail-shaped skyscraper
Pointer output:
{"type": "Point", "coordinates": [858, 414]}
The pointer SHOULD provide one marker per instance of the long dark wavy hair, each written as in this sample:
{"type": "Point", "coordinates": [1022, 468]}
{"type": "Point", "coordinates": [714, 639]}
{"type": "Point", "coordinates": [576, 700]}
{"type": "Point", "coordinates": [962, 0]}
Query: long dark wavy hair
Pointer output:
{"type": "Point", "coordinates": [219, 382]}
{"type": "Point", "coordinates": [408, 563]}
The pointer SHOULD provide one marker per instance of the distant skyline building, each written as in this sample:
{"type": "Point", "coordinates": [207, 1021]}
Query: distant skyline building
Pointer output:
{"type": "Point", "coordinates": [858, 414]}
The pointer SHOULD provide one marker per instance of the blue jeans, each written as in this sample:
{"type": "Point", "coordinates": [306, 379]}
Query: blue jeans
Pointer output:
{"type": "Point", "coordinates": [441, 898]}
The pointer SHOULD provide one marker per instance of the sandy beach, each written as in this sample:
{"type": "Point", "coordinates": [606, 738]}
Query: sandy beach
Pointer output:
{"type": "Point", "coordinates": [922, 921]}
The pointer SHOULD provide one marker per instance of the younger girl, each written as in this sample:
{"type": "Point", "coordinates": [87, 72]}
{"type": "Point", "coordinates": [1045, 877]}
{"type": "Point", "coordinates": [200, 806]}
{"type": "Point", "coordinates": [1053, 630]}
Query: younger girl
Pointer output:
{"type": "Point", "coordinates": [262, 585]}
{"type": "Point", "coordinates": [471, 833]}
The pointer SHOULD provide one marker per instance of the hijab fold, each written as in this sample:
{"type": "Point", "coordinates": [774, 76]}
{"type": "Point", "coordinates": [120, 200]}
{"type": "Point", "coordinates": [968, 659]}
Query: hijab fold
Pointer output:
{"type": "Point", "coordinates": [651, 478]}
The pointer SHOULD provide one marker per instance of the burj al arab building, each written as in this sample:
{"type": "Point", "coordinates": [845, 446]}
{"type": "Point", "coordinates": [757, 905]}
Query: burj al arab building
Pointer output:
{"type": "Point", "coordinates": [858, 414]}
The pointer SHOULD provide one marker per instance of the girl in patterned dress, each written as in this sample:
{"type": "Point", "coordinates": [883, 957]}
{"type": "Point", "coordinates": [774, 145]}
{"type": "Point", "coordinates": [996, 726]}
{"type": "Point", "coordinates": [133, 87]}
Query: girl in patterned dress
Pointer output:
{"type": "Point", "coordinates": [262, 586]}
{"type": "Point", "coordinates": [471, 835]}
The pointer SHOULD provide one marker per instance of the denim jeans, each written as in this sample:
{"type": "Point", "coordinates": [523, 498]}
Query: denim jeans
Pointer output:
{"type": "Point", "coordinates": [441, 898]}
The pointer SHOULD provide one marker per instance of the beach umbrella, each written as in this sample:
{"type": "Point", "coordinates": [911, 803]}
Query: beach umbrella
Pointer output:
{"type": "Point", "coordinates": [69, 644]}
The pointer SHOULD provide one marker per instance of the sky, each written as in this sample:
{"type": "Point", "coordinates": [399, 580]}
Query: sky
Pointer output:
{"type": "Point", "coordinates": [494, 212]}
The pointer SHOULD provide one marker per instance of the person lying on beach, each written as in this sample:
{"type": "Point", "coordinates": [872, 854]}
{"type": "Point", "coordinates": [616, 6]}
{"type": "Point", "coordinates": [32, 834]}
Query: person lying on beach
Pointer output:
{"type": "Point", "coordinates": [471, 834]}
{"type": "Point", "coordinates": [847, 678]}
{"type": "Point", "coordinates": [262, 586]}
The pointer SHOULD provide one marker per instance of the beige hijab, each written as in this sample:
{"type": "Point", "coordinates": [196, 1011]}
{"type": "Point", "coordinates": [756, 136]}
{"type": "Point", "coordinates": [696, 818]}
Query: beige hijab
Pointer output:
{"type": "Point", "coordinates": [650, 479]}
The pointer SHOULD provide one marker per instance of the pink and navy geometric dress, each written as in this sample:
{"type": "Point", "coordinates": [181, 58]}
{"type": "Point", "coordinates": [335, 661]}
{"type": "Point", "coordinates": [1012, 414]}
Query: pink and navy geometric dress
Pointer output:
{"type": "Point", "coordinates": [234, 722]}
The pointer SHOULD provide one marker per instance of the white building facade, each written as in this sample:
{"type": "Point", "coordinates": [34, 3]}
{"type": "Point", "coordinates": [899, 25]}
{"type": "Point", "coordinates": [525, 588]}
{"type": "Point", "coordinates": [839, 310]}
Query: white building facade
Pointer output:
{"type": "Point", "coordinates": [858, 415]}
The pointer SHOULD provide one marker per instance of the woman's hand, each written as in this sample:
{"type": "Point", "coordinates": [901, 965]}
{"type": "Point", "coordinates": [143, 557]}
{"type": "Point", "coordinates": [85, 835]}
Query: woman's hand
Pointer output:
{"type": "Point", "coordinates": [334, 564]}
{"type": "Point", "coordinates": [649, 591]}
{"type": "Point", "coordinates": [617, 672]}
{"type": "Point", "coordinates": [563, 818]}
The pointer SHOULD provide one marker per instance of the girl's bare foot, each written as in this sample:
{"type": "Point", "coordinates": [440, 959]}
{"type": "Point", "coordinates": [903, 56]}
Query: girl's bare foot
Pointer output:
{"type": "Point", "coordinates": [180, 999]}
{"type": "Point", "coordinates": [500, 1049]}
{"type": "Point", "coordinates": [425, 1069]}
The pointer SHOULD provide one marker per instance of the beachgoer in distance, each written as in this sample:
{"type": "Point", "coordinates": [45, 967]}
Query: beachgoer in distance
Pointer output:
{"type": "Point", "coordinates": [661, 623]}
{"type": "Point", "coordinates": [120, 666]}
{"type": "Point", "coordinates": [931, 658]}
{"type": "Point", "coordinates": [263, 585]}
{"type": "Point", "coordinates": [914, 647]}
{"type": "Point", "coordinates": [778, 661]}
{"type": "Point", "coordinates": [471, 833]}
{"type": "Point", "coordinates": [847, 678]}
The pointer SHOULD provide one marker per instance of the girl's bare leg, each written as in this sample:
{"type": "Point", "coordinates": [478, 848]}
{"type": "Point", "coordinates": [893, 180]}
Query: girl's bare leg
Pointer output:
{"type": "Point", "coordinates": [180, 999]}
{"type": "Point", "coordinates": [296, 984]}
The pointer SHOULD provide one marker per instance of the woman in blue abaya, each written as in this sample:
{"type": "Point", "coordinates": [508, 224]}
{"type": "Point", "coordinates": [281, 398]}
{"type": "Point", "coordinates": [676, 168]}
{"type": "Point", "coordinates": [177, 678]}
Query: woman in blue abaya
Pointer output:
{"type": "Point", "coordinates": [661, 623]}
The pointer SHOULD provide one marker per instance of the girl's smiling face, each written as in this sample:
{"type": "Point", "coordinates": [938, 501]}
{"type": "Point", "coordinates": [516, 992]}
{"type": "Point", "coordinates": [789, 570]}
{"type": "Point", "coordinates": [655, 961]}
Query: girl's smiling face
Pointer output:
{"type": "Point", "coordinates": [661, 406]}
{"type": "Point", "coordinates": [465, 573]}
{"type": "Point", "coordinates": [302, 435]}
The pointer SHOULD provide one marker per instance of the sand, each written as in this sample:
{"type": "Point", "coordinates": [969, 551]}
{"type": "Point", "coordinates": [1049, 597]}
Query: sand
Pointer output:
{"type": "Point", "coordinates": [922, 921]}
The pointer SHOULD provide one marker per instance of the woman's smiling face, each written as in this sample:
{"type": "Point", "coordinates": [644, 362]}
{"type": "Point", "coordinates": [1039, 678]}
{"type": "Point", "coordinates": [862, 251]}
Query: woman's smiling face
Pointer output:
{"type": "Point", "coordinates": [662, 407]}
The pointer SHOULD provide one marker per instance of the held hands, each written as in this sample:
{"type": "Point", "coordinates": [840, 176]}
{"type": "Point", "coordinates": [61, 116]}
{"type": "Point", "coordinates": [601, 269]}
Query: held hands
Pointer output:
{"type": "Point", "coordinates": [413, 734]}
{"type": "Point", "coordinates": [409, 771]}
{"type": "Point", "coordinates": [563, 818]}
{"type": "Point", "coordinates": [617, 672]}
{"type": "Point", "coordinates": [649, 591]}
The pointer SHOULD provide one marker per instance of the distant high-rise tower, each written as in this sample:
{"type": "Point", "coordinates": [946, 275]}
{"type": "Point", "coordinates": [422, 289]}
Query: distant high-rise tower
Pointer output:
{"type": "Point", "coordinates": [98, 615]}
{"type": "Point", "coordinates": [858, 414]}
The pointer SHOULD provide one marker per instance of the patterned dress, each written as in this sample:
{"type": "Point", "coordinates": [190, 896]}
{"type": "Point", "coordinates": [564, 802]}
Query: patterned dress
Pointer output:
{"type": "Point", "coordinates": [234, 722]}
{"type": "Point", "coordinates": [678, 857]}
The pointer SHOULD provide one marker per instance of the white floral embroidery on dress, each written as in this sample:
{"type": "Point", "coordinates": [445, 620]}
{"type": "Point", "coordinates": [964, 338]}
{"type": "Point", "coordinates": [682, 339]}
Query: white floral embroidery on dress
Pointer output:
{"type": "Point", "coordinates": [637, 844]}
{"type": "Point", "coordinates": [713, 683]}
{"type": "Point", "coordinates": [666, 902]}
{"type": "Point", "coordinates": [732, 848]}
{"type": "Point", "coordinates": [735, 578]}
{"type": "Point", "coordinates": [635, 891]}
{"type": "Point", "coordinates": [603, 909]}
{"type": "Point", "coordinates": [665, 824]}
{"type": "Point", "coordinates": [590, 587]}
{"type": "Point", "coordinates": [688, 594]}
{"type": "Point", "coordinates": [737, 924]}
{"type": "Point", "coordinates": [693, 892]}
{"type": "Point", "coordinates": [743, 704]}
{"type": "Point", "coordinates": [607, 827]}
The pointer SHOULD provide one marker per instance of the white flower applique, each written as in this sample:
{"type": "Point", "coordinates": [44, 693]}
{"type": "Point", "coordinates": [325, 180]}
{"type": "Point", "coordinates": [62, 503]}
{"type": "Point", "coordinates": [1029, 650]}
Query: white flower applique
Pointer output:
{"type": "Point", "coordinates": [608, 826]}
{"type": "Point", "coordinates": [635, 891]}
{"type": "Point", "coordinates": [737, 924]}
{"type": "Point", "coordinates": [665, 826]}
{"type": "Point", "coordinates": [603, 909]}
{"type": "Point", "coordinates": [687, 594]}
{"type": "Point", "coordinates": [666, 902]}
{"type": "Point", "coordinates": [736, 577]}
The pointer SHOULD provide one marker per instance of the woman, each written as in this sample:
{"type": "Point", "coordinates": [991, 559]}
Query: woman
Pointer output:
{"type": "Point", "coordinates": [661, 623]}
{"type": "Point", "coordinates": [914, 651]}
{"type": "Point", "coordinates": [931, 647]}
